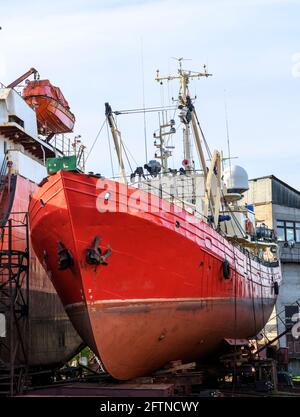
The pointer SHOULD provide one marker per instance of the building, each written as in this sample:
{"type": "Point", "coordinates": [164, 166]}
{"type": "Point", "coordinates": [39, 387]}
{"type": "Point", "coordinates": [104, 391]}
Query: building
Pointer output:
{"type": "Point", "coordinates": [277, 205]}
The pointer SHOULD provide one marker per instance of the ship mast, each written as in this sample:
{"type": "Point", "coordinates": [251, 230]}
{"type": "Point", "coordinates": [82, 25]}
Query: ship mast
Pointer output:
{"type": "Point", "coordinates": [164, 150]}
{"type": "Point", "coordinates": [117, 140]}
{"type": "Point", "coordinates": [187, 114]}
{"type": "Point", "coordinates": [188, 118]}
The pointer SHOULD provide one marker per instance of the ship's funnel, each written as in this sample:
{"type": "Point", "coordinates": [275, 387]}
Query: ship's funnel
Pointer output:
{"type": "Point", "coordinates": [236, 179]}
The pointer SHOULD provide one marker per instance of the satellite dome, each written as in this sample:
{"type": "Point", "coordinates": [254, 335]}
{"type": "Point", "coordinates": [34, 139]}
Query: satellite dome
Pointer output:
{"type": "Point", "coordinates": [236, 179]}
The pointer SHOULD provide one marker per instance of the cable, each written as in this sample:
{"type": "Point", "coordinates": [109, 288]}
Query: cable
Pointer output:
{"type": "Point", "coordinates": [203, 137]}
{"type": "Point", "coordinates": [95, 140]}
{"type": "Point", "coordinates": [128, 150]}
{"type": "Point", "coordinates": [124, 149]}
{"type": "Point", "coordinates": [143, 91]}
{"type": "Point", "coordinates": [162, 95]}
{"type": "Point", "coordinates": [227, 130]}
{"type": "Point", "coordinates": [144, 110]}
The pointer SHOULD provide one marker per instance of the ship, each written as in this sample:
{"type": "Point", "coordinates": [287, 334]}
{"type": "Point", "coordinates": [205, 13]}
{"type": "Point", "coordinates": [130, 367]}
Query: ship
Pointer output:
{"type": "Point", "coordinates": [35, 330]}
{"type": "Point", "coordinates": [163, 264]}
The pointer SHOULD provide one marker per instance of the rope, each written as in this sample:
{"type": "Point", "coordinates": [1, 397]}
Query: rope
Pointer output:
{"type": "Point", "coordinates": [144, 110]}
{"type": "Point", "coordinates": [95, 140]}
{"type": "Point", "coordinates": [203, 137]}
{"type": "Point", "coordinates": [124, 149]}
{"type": "Point", "coordinates": [128, 150]}
{"type": "Point", "coordinates": [162, 96]}
{"type": "Point", "coordinates": [143, 91]}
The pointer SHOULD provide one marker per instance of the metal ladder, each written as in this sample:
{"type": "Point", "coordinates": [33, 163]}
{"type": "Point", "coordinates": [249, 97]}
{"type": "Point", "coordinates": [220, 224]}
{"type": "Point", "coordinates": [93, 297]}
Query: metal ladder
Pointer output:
{"type": "Point", "coordinates": [14, 304]}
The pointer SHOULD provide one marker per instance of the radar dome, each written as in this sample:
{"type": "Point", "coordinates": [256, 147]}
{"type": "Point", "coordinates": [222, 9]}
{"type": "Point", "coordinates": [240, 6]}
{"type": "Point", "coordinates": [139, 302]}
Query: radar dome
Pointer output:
{"type": "Point", "coordinates": [236, 179]}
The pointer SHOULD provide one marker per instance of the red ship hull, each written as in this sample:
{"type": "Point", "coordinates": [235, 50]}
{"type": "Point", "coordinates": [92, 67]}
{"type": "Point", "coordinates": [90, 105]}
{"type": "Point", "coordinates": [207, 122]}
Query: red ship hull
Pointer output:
{"type": "Point", "coordinates": [163, 295]}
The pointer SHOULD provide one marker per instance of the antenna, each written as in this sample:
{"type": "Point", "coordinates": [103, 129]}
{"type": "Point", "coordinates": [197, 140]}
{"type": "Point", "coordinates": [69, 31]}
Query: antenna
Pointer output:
{"type": "Point", "coordinates": [183, 75]}
{"type": "Point", "coordinates": [227, 130]}
{"type": "Point", "coordinates": [180, 60]}
{"type": "Point", "coordinates": [185, 104]}
{"type": "Point", "coordinates": [143, 92]}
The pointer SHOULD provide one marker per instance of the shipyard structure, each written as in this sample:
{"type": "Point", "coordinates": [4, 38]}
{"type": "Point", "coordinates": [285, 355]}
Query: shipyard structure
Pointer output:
{"type": "Point", "coordinates": [277, 205]}
{"type": "Point", "coordinates": [36, 333]}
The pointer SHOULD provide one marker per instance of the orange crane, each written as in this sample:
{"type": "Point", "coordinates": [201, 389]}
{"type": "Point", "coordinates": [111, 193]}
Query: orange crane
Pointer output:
{"type": "Point", "coordinates": [24, 76]}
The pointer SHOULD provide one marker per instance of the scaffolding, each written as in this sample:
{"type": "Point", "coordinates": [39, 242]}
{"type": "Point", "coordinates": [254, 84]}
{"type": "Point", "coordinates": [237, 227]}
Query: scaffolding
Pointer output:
{"type": "Point", "coordinates": [14, 304]}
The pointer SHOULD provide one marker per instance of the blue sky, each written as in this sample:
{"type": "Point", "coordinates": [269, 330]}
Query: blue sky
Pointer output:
{"type": "Point", "coordinates": [92, 50]}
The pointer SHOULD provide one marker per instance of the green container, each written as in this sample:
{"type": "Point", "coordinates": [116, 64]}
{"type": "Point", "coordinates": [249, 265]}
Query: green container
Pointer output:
{"type": "Point", "coordinates": [65, 163]}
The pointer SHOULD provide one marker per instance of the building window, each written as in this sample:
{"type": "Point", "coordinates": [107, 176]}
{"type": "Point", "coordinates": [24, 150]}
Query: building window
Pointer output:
{"type": "Point", "coordinates": [289, 312]}
{"type": "Point", "coordinates": [287, 230]}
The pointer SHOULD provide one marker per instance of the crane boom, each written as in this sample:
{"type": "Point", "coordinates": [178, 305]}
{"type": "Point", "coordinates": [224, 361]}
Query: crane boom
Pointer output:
{"type": "Point", "coordinates": [117, 139]}
{"type": "Point", "coordinates": [23, 77]}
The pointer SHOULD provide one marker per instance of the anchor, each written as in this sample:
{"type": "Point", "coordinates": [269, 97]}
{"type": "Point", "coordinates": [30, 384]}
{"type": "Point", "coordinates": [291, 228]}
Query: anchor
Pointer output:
{"type": "Point", "coordinates": [65, 258]}
{"type": "Point", "coordinates": [95, 256]}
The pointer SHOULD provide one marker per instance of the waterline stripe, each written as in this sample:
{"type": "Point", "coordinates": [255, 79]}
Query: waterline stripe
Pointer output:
{"type": "Point", "coordinates": [148, 300]}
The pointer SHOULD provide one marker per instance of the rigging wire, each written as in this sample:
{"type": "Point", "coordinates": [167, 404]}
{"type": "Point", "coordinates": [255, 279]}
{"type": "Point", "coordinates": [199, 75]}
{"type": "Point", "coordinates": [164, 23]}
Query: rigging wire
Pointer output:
{"type": "Point", "coordinates": [143, 109]}
{"type": "Point", "coordinates": [124, 149]}
{"type": "Point", "coordinates": [162, 95]}
{"type": "Point", "coordinates": [95, 140]}
{"type": "Point", "coordinates": [128, 150]}
{"type": "Point", "coordinates": [203, 137]}
{"type": "Point", "coordinates": [227, 130]}
{"type": "Point", "coordinates": [143, 92]}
